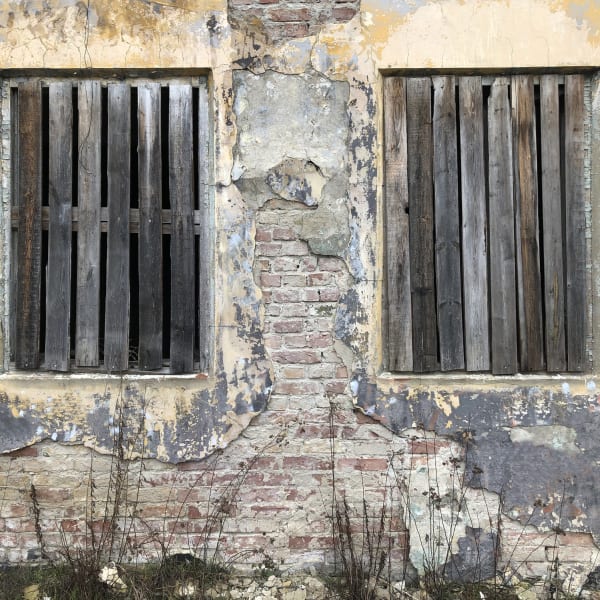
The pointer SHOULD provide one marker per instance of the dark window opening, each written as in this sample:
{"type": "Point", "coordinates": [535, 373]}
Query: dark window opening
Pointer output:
{"type": "Point", "coordinates": [70, 204]}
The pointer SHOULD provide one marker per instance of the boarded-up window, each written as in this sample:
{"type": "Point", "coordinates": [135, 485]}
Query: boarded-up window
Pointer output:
{"type": "Point", "coordinates": [111, 262]}
{"type": "Point", "coordinates": [485, 223]}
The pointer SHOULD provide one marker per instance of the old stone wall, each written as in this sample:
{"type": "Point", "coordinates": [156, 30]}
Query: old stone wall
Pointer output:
{"type": "Point", "coordinates": [474, 471]}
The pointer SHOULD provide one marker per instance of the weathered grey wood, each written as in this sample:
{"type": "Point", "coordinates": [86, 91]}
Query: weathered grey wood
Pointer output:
{"type": "Point", "coordinates": [181, 192]}
{"type": "Point", "coordinates": [87, 314]}
{"type": "Point", "coordinates": [398, 303]}
{"type": "Point", "coordinates": [27, 342]}
{"type": "Point", "coordinates": [420, 193]}
{"type": "Point", "coordinates": [116, 321]}
{"type": "Point", "coordinates": [60, 200]}
{"type": "Point", "coordinates": [552, 225]}
{"type": "Point", "coordinates": [150, 237]}
{"type": "Point", "coordinates": [502, 234]}
{"type": "Point", "coordinates": [205, 239]}
{"type": "Point", "coordinates": [526, 195]}
{"type": "Point", "coordinates": [474, 251]}
{"type": "Point", "coordinates": [134, 219]}
{"type": "Point", "coordinates": [447, 226]}
{"type": "Point", "coordinates": [575, 222]}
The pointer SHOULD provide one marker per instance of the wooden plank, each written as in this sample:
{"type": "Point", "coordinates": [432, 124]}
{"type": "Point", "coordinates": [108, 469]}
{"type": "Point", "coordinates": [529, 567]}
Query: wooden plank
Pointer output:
{"type": "Point", "coordinates": [116, 321]}
{"type": "Point", "coordinates": [14, 239]}
{"type": "Point", "coordinates": [575, 222]}
{"type": "Point", "coordinates": [134, 219]}
{"type": "Point", "coordinates": [399, 315]}
{"type": "Point", "coordinates": [205, 239]}
{"type": "Point", "coordinates": [181, 192]}
{"type": "Point", "coordinates": [27, 342]}
{"type": "Point", "coordinates": [526, 196]}
{"type": "Point", "coordinates": [447, 225]}
{"type": "Point", "coordinates": [552, 221]}
{"type": "Point", "coordinates": [502, 234]}
{"type": "Point", "coordinates": [420, 193]}
{"type": "Point", "coordinates": [60, 201]}
{"type": "Point", "coordinates": [474, 251]}
{"type": "Point", "coordinates": [150, 236]}
{"type": "Point", "coordinates": [87, 314]}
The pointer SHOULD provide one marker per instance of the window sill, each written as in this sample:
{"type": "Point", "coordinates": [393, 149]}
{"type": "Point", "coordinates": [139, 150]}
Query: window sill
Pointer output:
{"type": "Point", "coordinates": [470, 380]}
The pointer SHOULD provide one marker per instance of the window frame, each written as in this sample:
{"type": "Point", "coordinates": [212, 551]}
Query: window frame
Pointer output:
{"type": "Point", "coordinates": [591, 189]}
{"type": "Point", "coordinates": [204, 214]}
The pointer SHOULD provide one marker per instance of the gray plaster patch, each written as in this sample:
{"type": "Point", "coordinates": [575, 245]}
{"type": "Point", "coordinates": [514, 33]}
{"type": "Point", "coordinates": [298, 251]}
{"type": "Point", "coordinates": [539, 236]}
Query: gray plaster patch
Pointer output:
{"type": "Point", "coordinates": [556, 437]}
{"type": "Point", "coordinates": [281, 117]}
{"type": "Point", "coordinates": [326, 229]}
{"type": "Point", "coordinates": [296, 180]}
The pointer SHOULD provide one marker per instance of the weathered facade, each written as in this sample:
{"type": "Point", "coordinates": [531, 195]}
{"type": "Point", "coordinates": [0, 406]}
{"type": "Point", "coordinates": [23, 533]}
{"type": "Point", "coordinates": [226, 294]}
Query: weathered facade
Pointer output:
{"type": "Point", "coordinates": [298, 358]}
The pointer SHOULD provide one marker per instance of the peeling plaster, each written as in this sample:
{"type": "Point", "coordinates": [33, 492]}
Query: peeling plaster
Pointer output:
{"type": "Point", "coordinates": [301, 122]}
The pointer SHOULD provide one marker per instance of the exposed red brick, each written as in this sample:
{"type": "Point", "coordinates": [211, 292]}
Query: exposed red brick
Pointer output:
{"type": "Point", "coordinates": [326, 263]}
{"type": "Point", "coordinates": [70, 525]}
{"type": "Point", "coordinates": [27, 451]}
{"type": "Point", "coordinates": [329, 294]}
{"type": "Point", "coordinates": [284, 233]}
{"type": "Point", "coordinates": [264, 264]}
{"type": "Point", "coordinates": [319, 278]}
{"type": "Point", "coordinates": [297, 387]}
{"type": "Point", "coordinates": [319, 340]}
{"type": "Point", "coordinates": [420, 446]}
{"type": "Point", "coordinates": [288, 326]}
{"type": "Point", "coordinates": [290, 14]}
{"type": "Point", "coordinates": [362, 464]}
{"type": "Point", "coordinates": [193, 512]}
{"type": "Point", "coordinates": [293, 248]}
{"type": "Point", "coordinates": [308, 463]}
{"type": "Point", "coordinates": [343, 13]}
{"type": "Point", "coordinates": [311, 295]}
{"type": "Point", "coordinates": [341, 372]}
{"type": "Point", "coordinates": [294, 310]}
{"type": "Point", "coordinates": [296, 356]}
{"type": "Point", "coordinates": [46, 494]}
{"type": "Point", "coordinates": [293, 372]}
{"type": "Point", "coordinates": [336, 387]}
{"type": "Point", "coordinates": [295, 280]}
{"type": "Point", "coordinates": [270, 280]}
{"type": "Point", "coordinates": [268, 248]}
{"type": "Point", "coordinates": [263, 235]}
{"type": "Point", "coordinates": [309, 542]}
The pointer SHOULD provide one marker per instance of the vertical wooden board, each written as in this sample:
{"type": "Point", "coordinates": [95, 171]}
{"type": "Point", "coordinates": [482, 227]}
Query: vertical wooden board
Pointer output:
{"type": "Point", "coordinates": [27, 355]}
{"type": "Point", "coordinates": [420, 193]}
{"type": "Point", "coordinates": [474, 221]}
{"type": "Point", "coordinates": [181, 192]}
{"type": "Point", "coordinates": [87, 314]}
{"type": "Point", "coordinates": [575, 222]}
{"type": "Point", "coordinates": [60, 201]}
{"type": "Point", "coordinates": [116, 321]}
{"type": "Point", "coordinates": [447, 226]}
{"type": "Point", "coordinates": [552, 224]}
{"type": "Point", "coordinates": [14, 239]}
{"type": "Point", "coordinates": [398, 302]}
{"type": "Point", "coordinates": [526, 196]}
{"type": "Point", "coordinates": [502, 234]}
{"type": "Point", "coordinates": [150, 233]}
{"type": "Point", "coordinates": [205, 239]}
